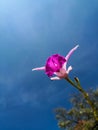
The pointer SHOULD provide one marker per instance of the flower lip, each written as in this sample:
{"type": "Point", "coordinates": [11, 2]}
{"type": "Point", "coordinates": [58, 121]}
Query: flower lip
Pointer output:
{"type": "Point", "coordinates": [54, 63]}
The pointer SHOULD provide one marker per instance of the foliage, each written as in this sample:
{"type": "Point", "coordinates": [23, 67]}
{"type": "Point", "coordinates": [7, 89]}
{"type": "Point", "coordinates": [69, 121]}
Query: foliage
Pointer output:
{"type": "Point", "coordinates": [80, 116]}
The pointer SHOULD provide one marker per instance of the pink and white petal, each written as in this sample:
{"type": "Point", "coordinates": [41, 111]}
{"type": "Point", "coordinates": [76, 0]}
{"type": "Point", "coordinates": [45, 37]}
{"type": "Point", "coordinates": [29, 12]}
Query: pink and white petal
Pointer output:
{"type": "Point", "coordinates": [39, 68]}
{"type": "Point", "coordinates": [55, 78]}
{"type": "Point", "coordinates": [71, 52]}
{"type": "Point", "coordinates": [58, 74]}
{"type": "Point", "coordinates": [55, 73]}
{"type": "Point", "coordinates": [69, 69]}
{"type": "Point", "coordinates": [64, 66]}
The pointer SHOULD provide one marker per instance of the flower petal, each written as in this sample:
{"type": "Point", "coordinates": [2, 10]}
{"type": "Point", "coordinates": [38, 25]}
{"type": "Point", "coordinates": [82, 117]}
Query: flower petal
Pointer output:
{"type": "Point", "coordinates": [70, 52]}
{"type": "Point", "coordinates": [69, 69]}
{"type": "Point", "coordinates": [39, 68]}
{"type": "Point", "coordinates": [64, 65]}
{"type": "Point", "coordinates": [54, 63]}
{"type": "Point", "coordinates": [55, 78]}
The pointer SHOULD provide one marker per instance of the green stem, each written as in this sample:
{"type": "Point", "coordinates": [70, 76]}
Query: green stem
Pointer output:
{"type": "Point", "coordinates": [86, 96]}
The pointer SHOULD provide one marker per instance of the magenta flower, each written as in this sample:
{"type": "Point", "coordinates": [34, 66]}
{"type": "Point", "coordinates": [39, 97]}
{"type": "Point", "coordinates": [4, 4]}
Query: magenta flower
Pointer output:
{"type": "Point", "coordinates": [56, 65]}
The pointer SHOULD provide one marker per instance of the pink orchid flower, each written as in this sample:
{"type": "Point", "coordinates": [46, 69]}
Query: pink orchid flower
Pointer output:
{"type": "Point", "coordinates": [56, 65]}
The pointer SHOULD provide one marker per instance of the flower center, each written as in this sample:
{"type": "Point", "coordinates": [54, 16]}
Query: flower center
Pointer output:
{"type": "Point", "coordinates": [54, 64]}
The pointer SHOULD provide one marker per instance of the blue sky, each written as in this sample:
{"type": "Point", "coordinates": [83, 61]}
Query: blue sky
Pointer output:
{"type": "Point", "coordinates": [30, 31]}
